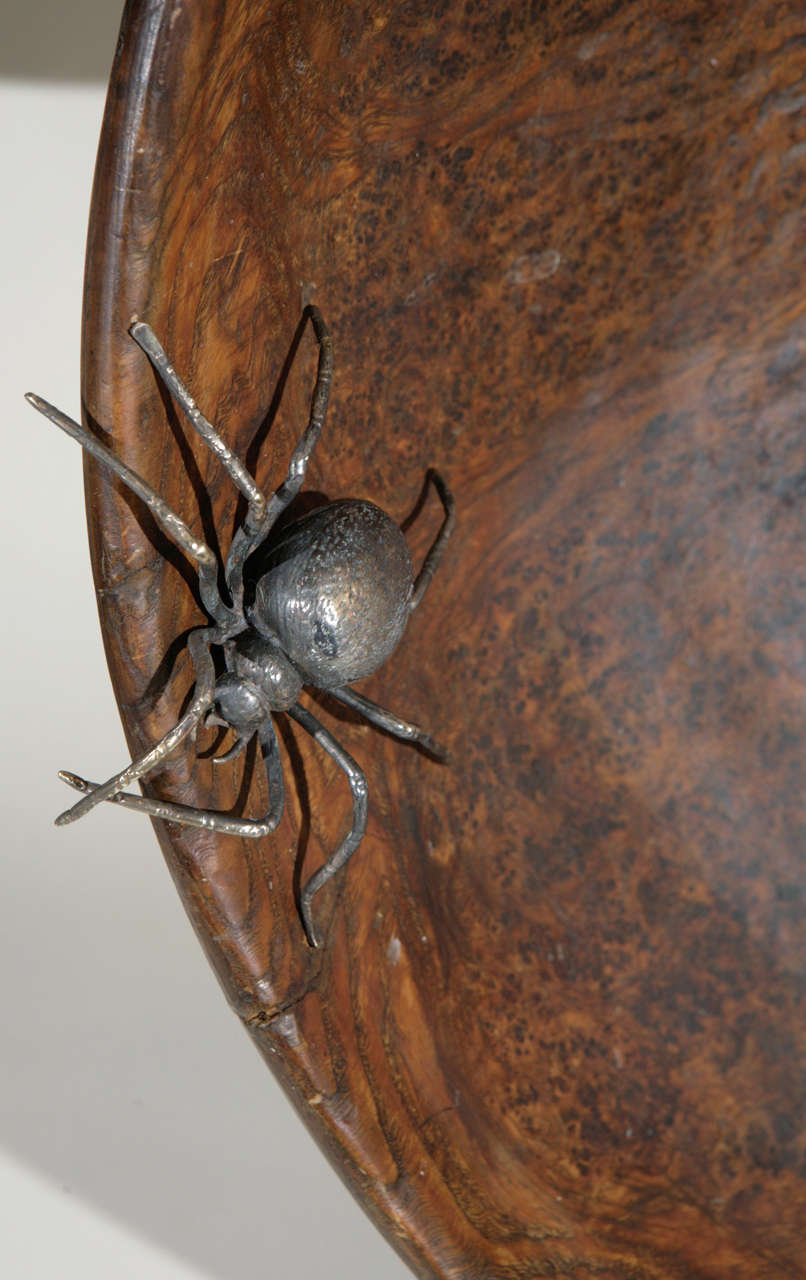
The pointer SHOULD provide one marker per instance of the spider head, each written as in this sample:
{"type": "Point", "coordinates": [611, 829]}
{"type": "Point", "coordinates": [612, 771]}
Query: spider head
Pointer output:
{"type": "Point", "coordinates": [259, 679]}
{"type": "Point", "coordinates": [239, 703]}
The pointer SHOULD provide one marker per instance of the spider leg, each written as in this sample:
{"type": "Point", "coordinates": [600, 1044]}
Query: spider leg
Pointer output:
{"type": "Point", "coordinates": [147, 340]}
{"type": "Point", "coordinates": [385, 720]}
{"type": "Point", "coordinates": [240, 744]}
{"type": "Point", "coordinates": [358, 787]}
{"type": "Point", "coordinates": [166, 517]}
{"type": "Point", "coordinates": [199, 646]}
{"type": "Point", "coordinates": [435, 553]}
{"type": "Point", "coordinates": [253, 532]}
{"type": "Point", "coordinates": [188, 816]}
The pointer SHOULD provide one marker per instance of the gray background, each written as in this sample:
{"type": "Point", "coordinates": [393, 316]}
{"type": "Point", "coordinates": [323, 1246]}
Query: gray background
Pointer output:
{"type": "Point", "coordinates": [140, 1134]}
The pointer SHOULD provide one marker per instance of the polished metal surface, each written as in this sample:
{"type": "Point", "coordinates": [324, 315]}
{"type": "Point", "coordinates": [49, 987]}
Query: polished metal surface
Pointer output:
{"type": "Point", "coordinates": [323, 604]}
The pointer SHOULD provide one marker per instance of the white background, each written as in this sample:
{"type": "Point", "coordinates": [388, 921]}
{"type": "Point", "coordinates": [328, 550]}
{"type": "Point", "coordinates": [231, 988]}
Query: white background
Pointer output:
{"type": "Point", "coordinates": [140, 1133]}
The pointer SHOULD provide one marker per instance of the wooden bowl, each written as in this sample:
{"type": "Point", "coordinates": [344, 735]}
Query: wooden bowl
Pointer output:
{"type": "Point", "coordinates": [557, 1028]}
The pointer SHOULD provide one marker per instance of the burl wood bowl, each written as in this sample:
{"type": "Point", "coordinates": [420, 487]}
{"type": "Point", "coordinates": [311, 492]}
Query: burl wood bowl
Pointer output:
{"type": "Point", "coordinates": [557, 1025]}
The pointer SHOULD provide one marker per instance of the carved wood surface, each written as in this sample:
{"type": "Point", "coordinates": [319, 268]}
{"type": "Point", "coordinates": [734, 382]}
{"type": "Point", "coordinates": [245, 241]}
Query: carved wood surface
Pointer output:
{"type": "Point", "coordinates": [557, 1027]}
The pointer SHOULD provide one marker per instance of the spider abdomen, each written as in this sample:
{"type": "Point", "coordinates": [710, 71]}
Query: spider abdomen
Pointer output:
{"type": "Point", "coordinates": [336, 590]}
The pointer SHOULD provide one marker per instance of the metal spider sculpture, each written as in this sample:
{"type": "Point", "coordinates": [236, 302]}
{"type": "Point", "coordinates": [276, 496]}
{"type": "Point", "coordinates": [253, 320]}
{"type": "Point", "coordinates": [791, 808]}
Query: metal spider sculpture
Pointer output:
{"type": "Point", "coordinates": [323, 603]}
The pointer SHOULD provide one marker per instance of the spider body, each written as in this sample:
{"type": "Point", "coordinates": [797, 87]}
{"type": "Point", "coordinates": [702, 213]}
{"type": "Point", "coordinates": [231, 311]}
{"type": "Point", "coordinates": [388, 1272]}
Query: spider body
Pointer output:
{"type": "Point", "coordinates": [322, 603]}
{"type": "Point", "coordinates": [259, 678]}
{"type": "Point", "coordinates": [336, 590]}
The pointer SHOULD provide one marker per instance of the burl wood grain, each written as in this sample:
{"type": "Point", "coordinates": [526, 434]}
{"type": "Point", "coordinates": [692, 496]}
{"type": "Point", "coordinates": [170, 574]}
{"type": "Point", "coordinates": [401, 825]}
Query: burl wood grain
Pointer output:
{"type": "Point", "coordinates": [557, 1028]}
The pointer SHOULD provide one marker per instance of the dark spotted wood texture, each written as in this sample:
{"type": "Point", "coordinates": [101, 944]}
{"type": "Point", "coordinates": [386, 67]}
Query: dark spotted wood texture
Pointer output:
{"type": "Point", "coordinates": [558, 1025]}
